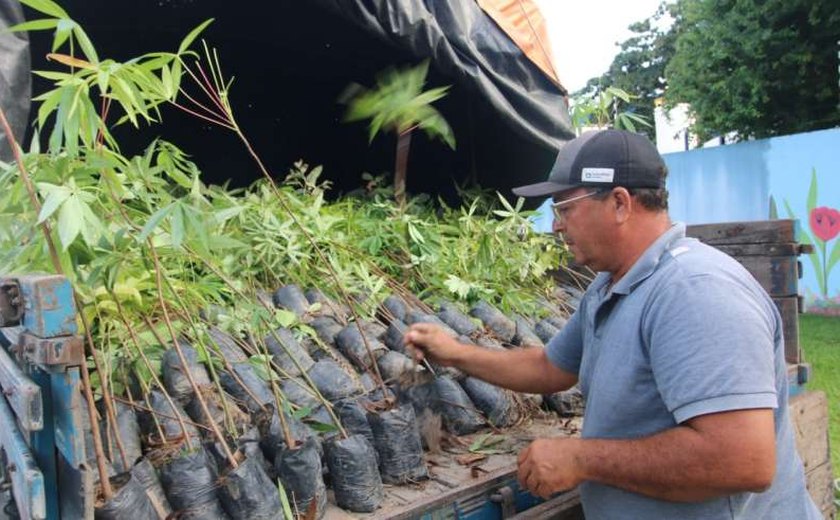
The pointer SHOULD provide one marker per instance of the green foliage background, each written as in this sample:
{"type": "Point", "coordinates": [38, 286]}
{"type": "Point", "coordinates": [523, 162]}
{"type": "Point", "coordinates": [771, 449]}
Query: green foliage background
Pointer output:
{"type": "Point", "coordinates": [140, 234]}
{"type": "Point", "coordinates": [755, 68]}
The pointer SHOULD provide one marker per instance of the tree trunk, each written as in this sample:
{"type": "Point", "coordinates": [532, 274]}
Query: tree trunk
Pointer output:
{"type": "Point", "coordinates": [403, 143]}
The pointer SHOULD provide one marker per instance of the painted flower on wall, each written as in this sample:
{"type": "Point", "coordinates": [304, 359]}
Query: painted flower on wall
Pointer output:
{"type": "Point", "coordinates": [825, 223]}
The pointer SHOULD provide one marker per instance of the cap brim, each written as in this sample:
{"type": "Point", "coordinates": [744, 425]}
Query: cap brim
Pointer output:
{"type": "Point", "coordinates": [540, 189]}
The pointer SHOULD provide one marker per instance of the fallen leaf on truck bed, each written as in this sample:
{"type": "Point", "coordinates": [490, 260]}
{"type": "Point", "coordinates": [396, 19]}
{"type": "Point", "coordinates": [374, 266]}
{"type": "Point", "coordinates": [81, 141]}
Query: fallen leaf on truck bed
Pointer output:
{"type": "Point", "coordinates": [468, 459]}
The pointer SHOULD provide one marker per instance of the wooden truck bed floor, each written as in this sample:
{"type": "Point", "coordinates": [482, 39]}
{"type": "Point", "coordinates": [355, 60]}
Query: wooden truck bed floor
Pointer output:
{"type": "Point", "coordinates": [463, 488]}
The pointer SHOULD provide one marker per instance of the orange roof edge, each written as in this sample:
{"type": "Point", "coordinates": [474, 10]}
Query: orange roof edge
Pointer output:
{"type": "Point", "coordinates": [523, 22]}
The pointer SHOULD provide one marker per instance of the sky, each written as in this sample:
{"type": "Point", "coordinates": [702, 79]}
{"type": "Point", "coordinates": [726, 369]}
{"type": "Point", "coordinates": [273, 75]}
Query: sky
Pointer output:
{"type": "Point", "coordinates": [585, 34]}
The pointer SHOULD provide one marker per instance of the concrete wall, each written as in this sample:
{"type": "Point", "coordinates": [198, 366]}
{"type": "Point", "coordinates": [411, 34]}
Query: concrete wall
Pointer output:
{"type": "Point", "coordinates": [799, 175]}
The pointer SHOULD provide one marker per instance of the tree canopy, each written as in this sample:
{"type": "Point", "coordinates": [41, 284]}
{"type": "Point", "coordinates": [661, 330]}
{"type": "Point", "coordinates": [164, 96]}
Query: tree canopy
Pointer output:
{"type": "Point", "coordinates": [756, 68]}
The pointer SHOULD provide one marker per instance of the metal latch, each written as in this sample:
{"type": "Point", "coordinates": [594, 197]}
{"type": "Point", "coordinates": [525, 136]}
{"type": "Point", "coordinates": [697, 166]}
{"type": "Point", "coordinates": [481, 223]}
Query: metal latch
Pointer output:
{"type": "Point", "coordinates": [505, 498]}
{"type": "Point", "coordinates": [11, 307]}
{"type": "Point", "coordinates": [57, 351]}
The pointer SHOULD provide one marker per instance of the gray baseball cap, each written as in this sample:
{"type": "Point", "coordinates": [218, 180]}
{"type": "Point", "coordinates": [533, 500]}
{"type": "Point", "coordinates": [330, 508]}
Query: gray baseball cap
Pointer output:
{"type": "Point", "coordinates": [602, 159]}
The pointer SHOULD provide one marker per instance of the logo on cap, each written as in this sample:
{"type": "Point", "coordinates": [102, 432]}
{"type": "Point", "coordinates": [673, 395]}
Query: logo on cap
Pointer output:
{"type": "Point", "coordinates": [597, 175]}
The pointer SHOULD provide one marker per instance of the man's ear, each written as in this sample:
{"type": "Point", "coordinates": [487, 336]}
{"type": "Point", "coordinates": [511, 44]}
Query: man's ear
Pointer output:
{"type": "Point", "coordinates": [623, 203]}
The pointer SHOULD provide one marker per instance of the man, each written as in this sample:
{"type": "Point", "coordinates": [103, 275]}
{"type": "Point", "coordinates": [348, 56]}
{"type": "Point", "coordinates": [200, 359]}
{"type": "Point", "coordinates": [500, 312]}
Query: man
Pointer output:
{"type": "Point", "coordinates": [677, 350]}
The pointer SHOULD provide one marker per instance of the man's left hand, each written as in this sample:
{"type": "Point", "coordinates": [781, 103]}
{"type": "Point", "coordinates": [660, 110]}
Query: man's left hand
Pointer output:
{"type": "Point", "coordinates": [547, 466]}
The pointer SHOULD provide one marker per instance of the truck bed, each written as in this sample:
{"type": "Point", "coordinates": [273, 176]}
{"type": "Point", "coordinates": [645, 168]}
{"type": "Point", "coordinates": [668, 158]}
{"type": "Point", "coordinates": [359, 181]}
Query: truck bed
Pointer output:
{"type": "Point", "coordinates": [456, 490]}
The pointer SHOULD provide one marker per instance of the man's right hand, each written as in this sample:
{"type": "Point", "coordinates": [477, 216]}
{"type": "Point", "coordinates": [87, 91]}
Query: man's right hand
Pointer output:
{"type": "Point", "coordinates": [429, 341]}
{"type": "Point", "coordinates": [519, 369]}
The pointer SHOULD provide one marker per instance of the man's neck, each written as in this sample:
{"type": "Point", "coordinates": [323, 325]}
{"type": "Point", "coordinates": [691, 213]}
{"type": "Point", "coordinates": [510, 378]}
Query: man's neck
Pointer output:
{"type": "Point", "coordinates": [643, 233]}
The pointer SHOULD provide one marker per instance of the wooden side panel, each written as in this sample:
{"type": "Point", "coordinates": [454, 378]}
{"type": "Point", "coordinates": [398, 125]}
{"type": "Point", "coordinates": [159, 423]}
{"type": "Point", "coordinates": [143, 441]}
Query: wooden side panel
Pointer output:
{"type": "Point", "coordinates": [786, 249]}
{"type": "Point", "coordinates": [809, 413]}
{"type": "Point", "coordinates": [758, 232]}
{"type": "Point", "coordinates": [789, 309]}
{"type": "Point", "coordinates": [778, 275]}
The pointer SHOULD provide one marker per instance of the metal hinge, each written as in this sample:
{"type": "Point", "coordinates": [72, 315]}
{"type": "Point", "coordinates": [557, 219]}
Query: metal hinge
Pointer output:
{"type": "Point", "coordinates": [505, 498]}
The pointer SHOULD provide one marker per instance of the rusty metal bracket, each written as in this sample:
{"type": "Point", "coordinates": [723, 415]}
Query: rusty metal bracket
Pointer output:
{"type": "Point", "coordinates": [505, 497]}
{"type": "Point", "coordinates": [50, 352]}
{"type": "Point", "coordinates": [11, 306]}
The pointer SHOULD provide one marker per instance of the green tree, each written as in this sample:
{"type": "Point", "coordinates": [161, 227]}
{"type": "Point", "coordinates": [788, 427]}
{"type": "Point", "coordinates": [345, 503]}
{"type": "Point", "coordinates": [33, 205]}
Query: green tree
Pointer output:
{"type": "Point", "coordinates": [757, 68]}
{"type": "Point", "coordinates": [639, 68]}
{"type": "Point", "coordinates": [399, 104]}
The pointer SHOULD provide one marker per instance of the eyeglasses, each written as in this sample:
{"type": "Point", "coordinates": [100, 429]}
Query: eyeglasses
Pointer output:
{"type": "Point", "coordinates": [560, 209]}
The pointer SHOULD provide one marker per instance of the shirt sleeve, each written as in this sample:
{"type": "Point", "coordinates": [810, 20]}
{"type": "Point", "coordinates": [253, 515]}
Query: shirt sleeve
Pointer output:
{"type": "Point", "coordinates": [565, 349]}
{"type": "Point", "coordinates": [711, 346]}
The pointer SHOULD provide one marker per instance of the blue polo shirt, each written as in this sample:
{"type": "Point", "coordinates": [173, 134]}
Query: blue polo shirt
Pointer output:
{"type": "Point", "coordinates": [686, 332]}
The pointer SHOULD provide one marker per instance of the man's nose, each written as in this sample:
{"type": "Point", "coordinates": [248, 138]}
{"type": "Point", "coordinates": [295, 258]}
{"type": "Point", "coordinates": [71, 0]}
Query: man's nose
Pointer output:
{"type": "Point", "coordinates": [558, 226]}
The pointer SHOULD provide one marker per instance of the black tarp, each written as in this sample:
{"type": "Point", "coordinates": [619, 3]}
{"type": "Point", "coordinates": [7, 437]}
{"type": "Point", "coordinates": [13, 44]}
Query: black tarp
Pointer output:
{"type": "Point", "coordinates": [15, 80]}
{"type": "Point", "coordinates": [291, 61]}
{"type": "Point", "coordinates": [468, 46]}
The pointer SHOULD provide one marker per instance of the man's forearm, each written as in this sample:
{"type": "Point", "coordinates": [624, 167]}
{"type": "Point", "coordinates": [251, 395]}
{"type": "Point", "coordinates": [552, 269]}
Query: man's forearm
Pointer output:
{"type": "Point", "coordinates": [521, 369]}
{"type": "Point", "coordinates": [679, 464]}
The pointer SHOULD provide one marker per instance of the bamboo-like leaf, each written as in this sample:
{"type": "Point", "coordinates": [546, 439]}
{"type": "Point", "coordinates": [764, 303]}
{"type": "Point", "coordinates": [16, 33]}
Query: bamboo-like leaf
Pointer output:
{"type": "Point", "coordinates": [625, 123]}
{"type": "Point", "coordinates": [285, 318]}
{"type": "Point", "coordinates": [70, 61]}
{"type": "Point", "coordinates": [457, 286]}
{"type": "Point", "coordinates": [177, 225]}
{"type": "Point", "coordinates": [35, 25]}
{"type": "Point", "coordinates": [176, 77]}
{"type": "Point", "coordinates": [56, 195]}
{"type": "Point", "coordinates": [85, 44]}
{"type": "Point", "coordinates": [156, 60]}
{"type": "Point", "coordinates": [284, 500]}
{"type": "Point", "coordinates": [154, 221]}
{"type": "Point", "coordinates": [167, 83]}
{"type": "Point", "coordinates": [47, 7]}
{"type": "Point", "coordinates": [57, 77]}
{"type": "Point", "coordinates": [57, 134]}
{"type": "Point", "coordinates": [223, 242]}
{"type": "Point", "coordinates": [197, 228]}
{"type": "Point", "coordinates": [69, 221]}
{"type": "Point", "coordinates": [322, 427]}
{"type": "Point", "coordinates": [222, 216]}
{"type": "Point", "coordinates": [122, 93]}
{"type": "Point", "coordinates": [91, 225]}
{"type": "Point", "coordinates": [415, 234]}
{"type": "Point", "coordinates": [72, 124]}
{"type": "Point", "coordinates": [62, 33]}
{"type": "Point", "coordinates": [48, 105]}
{"type": "Point", "coordinates": [188, 40]}
{"type": "Point", "coordinates": [78, 91]}
{"type": "Point", "coordinates": [103, 78]}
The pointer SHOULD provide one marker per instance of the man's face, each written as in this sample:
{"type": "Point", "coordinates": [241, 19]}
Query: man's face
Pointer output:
{"type": "Point", "coordinates": [581, 220]}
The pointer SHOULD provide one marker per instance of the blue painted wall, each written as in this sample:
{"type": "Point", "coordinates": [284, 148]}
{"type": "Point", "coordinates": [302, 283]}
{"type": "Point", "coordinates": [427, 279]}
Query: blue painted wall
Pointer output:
{"type": "Point", "coordinates": [738, 182]}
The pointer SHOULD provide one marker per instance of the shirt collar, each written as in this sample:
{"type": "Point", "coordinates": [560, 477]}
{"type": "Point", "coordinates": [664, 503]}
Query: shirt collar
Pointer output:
{"type": "Point", "coordinates": [647, 263]}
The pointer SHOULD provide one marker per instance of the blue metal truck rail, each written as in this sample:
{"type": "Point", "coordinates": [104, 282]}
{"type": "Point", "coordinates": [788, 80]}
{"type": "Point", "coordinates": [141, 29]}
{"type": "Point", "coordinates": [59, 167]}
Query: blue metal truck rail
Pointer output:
{"type": "Point", "coordinates": [41, 435]}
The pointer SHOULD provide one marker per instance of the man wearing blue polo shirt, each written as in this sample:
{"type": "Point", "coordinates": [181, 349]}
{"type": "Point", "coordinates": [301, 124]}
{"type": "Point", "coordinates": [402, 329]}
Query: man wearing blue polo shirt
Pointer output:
{"type": "Point", "coordinates": [676, 348]}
